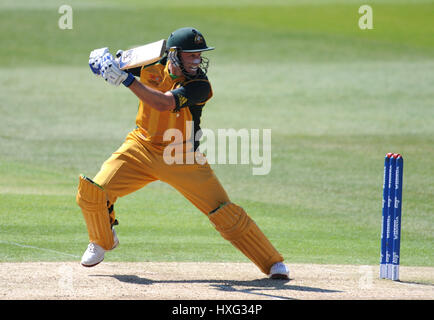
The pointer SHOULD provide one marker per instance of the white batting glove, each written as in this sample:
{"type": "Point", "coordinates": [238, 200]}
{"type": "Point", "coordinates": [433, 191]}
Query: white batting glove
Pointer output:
{"type": "Point", "coordinates": [95, 59]}
{"type": "Point", "coordinates": [119, 53]}
{"type": "Point", "coordinates": [111, 73]}
{"type": "Point", "coordinates": [173, 57]}
{"type": "Point", "coordinates": [118, 56]}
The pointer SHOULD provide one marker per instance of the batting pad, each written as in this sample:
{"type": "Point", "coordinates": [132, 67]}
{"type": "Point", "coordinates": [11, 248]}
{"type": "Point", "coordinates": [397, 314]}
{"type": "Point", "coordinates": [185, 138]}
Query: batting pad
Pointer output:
{"type": "Point", "coordinates": [93, 203]}
{"type": "Point", "coordinates": [235, 225]}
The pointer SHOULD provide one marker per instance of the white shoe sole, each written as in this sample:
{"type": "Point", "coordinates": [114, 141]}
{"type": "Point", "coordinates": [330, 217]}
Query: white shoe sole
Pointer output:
{"type": "Point", "coordinates": [91, 265]}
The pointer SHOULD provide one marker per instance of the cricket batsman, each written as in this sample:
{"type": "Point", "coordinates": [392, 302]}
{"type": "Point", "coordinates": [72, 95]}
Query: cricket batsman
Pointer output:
{"type": "Point", "coordinates": [172, 93]}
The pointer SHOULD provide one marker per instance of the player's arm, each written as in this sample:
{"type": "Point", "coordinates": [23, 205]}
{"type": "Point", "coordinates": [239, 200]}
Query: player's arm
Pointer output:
{"type": "Point", "coordinates": [193, 93]}
{"type": "Point", "coordinates": [110, 72]}
{"type": "Point", "coordinates": [161, 101]}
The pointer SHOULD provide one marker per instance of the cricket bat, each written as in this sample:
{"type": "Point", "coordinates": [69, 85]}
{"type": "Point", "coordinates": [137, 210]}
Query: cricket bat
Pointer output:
{"type": "Point", "coordinates": [142, 55]}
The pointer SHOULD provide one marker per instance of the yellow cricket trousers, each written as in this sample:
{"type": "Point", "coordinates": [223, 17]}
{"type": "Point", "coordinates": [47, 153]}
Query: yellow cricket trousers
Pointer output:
{"type": "Point", "coordinates": [138, 162]}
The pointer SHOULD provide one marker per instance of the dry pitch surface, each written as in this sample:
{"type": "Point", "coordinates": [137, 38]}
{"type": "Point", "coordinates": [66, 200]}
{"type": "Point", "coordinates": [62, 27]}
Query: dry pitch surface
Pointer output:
{"type": "Point", "coordinates": [206, 281]}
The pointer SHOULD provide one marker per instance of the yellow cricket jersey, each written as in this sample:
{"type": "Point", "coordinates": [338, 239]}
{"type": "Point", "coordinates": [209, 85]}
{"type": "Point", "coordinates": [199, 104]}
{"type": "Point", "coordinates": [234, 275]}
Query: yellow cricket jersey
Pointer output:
{"type": "Point", "coordinates": [190, 96]}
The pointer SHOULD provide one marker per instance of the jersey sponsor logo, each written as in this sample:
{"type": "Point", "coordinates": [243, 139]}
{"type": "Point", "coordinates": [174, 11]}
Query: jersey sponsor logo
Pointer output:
{"type": "Point", "coordinates": [155, 77]}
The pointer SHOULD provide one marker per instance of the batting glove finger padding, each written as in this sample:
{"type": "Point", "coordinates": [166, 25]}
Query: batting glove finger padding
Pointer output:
{"type": "Point", "coordinates": [107, 57]}
{"type": "Point", "coordinates": [111, 73]}
{"type": "Point", "coordinates": [173, 57]}
{"type": "Point", "coordinates": [95, 58]}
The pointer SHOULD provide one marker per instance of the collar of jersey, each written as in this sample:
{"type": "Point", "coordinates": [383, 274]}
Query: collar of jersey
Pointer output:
{"type": "Point", "coordinates": [173, 76]}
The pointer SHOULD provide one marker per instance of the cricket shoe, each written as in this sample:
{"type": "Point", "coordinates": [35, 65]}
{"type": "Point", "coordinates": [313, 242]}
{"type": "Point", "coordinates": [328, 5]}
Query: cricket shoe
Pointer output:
{"type": "Point", "coordinates": [279, 271]}
{"type": "Point", "coordinates": [94, 253]}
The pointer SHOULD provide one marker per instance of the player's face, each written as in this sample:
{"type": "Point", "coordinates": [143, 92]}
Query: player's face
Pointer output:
{"type": "Point", "coordinates": [191, 61]}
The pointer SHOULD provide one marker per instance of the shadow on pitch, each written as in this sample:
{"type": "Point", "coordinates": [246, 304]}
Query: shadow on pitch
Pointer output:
{"type": "Point", "coordinates": [419, 283]}
{"type": "Point", "coordinates": [254, 287]}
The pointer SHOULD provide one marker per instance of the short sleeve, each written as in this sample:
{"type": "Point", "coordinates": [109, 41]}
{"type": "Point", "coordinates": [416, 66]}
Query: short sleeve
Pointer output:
{"type": "Point", "coordinates": [193, 93]}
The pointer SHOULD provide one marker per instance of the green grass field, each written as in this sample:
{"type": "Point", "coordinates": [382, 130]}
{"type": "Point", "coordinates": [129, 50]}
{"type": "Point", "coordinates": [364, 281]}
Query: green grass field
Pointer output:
{"type": "Point", "coordinates": [337, 98]}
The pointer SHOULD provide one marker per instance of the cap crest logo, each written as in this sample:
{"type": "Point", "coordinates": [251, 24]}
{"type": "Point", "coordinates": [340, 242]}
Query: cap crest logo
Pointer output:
{"type": "Point", "coordinates": [198, 39]}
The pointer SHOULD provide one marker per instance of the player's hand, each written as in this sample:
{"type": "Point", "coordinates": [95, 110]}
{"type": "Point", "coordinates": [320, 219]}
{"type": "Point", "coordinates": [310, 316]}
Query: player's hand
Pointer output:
{"type": "Point", "coordinates": [96, 57]}
{"type": "Point", "coordinates": [173, 57]}
{"type": "Point", "coordinates": [111, 73]}
{"type": "Point", "coordinates": [118, 55]}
